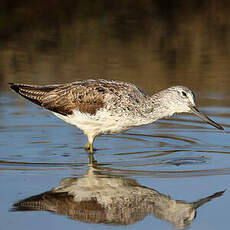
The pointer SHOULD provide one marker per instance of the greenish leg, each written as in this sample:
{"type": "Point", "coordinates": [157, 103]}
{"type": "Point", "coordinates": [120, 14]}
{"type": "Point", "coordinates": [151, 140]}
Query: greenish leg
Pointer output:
{"type": "Point", "coordinates": [87, 146]}
{"type": "Point", "coordinates": [91, 147]}
{"type": "Point", "coordinates": [91, 159]}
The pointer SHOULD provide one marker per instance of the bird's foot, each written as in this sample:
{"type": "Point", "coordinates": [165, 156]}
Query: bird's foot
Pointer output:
{"type": "Point", "coordinates": [89, 147]}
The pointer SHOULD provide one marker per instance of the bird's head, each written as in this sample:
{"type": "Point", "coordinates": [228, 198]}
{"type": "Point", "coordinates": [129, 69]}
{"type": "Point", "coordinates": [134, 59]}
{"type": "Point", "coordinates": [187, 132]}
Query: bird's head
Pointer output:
{"type": "Point", "coordinates": [181, 99]}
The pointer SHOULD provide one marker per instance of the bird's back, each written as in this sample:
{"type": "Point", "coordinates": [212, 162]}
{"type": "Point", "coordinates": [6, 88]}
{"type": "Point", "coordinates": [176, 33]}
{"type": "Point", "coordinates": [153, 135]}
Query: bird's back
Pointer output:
{"type": "Point", "coordinates": [87, 96]}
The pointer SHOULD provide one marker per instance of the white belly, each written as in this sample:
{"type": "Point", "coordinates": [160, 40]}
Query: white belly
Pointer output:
{"type": "Point", "coordinates": [101, 123]}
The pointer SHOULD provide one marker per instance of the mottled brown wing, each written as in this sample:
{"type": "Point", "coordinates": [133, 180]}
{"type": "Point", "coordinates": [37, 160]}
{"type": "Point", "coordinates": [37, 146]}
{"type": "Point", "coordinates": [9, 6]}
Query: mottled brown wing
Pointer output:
{"type": "Point", "coordinates": [86, 97]}
{"type": "Point", "coordinates": [33, 93]}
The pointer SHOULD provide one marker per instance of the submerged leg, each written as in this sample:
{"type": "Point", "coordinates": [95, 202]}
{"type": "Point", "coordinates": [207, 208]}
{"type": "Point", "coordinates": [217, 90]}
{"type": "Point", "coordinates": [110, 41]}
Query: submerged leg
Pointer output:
{"type": "Point", "coordinates": [89, 144]}
{"type": "Point", "coordinates": [91, 147]}
{"type": "Point", "coordinates": [92, 161]}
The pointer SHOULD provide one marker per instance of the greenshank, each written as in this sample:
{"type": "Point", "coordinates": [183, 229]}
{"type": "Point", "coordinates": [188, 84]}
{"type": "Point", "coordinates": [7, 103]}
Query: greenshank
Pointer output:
{"type": "Point", "coordinates": [109, 107]}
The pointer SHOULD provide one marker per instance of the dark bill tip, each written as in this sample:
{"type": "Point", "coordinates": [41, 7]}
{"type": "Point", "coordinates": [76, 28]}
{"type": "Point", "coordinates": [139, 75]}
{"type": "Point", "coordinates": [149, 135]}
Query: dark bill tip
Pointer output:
{"type": "Point", "coordinates": [205, 118]}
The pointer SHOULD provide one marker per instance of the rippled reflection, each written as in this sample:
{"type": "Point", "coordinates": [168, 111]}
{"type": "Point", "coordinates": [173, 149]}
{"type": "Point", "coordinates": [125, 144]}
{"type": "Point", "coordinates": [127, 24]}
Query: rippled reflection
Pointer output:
{"type": "Point", "coordinates": [98, 197]}
{"type": "Point", "coordinates": [153, 44]}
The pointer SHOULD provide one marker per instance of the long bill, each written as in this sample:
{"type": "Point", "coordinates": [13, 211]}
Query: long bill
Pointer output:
{"type": "Point", "coordinates": [205, 118]}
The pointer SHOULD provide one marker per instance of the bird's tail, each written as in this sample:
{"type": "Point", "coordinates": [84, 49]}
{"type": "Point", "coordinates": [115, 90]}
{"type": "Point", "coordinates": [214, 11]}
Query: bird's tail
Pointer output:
{"type": "Point", "coordinates": [33, 93]}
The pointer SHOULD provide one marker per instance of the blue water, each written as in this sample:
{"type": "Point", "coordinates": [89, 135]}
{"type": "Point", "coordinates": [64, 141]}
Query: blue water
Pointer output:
{"type": "Point", "coordinates": [181, 157]}
{"type": "Point", "coordinates": [153, 44]}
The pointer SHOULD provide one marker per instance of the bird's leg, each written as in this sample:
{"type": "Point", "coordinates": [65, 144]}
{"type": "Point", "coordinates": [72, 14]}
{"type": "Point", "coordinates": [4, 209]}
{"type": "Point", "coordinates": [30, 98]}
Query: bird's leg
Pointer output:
{"type": "Point", "coordinates": [87, 146]}
{"type": "Point", "coordinates": [91, 147]}
{"type": "Point", "coordinates": [92, 161]}
{"type": "Point", "coordinates": [91, 158]}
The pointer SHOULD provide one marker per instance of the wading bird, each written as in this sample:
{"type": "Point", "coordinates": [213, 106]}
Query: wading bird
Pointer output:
{"type": "Point", "coordinates": [109, 107]}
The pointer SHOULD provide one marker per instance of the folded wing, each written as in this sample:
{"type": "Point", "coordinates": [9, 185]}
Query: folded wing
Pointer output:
{"type": "Point", "coordinates": [64, 98]}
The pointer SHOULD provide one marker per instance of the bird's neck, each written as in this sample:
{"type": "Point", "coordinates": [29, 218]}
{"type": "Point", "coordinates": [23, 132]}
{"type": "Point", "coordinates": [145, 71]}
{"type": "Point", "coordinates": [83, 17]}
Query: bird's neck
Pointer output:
{"type": "Point", "coordinates": [160, 107]}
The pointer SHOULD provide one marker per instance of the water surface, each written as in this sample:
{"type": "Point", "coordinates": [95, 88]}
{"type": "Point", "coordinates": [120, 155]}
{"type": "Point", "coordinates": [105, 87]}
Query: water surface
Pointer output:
{"type": "Point", "coordinates": [180, 161]}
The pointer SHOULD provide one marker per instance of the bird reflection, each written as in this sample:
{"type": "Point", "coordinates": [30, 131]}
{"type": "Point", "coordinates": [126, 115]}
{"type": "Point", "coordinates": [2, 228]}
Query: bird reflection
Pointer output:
{"type": "Point", "coordinates": [98, 197]}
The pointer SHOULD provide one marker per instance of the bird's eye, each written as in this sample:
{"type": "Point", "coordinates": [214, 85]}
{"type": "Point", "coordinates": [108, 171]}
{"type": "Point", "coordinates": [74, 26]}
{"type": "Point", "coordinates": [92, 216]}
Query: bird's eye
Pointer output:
{"type": "Point", "coordinates": [184, 94]}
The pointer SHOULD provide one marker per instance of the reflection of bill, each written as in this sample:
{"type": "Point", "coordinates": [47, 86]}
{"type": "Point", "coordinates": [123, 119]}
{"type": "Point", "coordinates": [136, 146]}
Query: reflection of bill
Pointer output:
{"type": "Point", "coordinates": [107, 199]}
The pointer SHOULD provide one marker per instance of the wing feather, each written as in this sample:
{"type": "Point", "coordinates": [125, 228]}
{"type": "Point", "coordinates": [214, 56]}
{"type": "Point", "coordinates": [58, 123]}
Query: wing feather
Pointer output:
{"type": "Point", "coordinates": [87, 96]}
